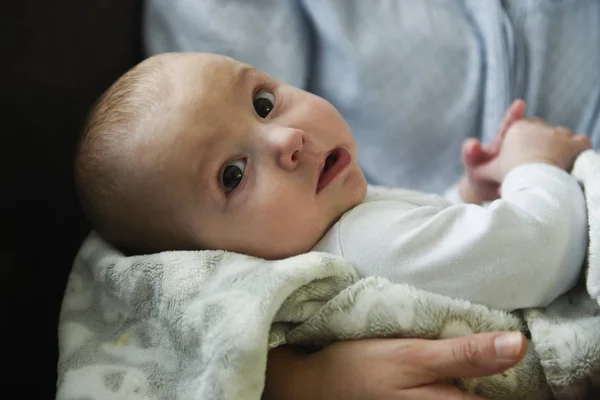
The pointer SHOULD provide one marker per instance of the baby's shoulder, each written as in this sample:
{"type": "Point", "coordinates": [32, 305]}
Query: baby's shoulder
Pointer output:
{"type": "Point", "coordinates": [381, 200]}
{"type": "Point", "coordinates": [386, 193]}
{"type": "Point", "coordinates": [377, 193]}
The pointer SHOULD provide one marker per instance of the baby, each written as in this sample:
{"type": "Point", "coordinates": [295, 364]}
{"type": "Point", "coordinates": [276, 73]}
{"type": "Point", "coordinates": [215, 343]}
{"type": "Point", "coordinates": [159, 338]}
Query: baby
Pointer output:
{"type": "Point", "coordinates": [192, 151]}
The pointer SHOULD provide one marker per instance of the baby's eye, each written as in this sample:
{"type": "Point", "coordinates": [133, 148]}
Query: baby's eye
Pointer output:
{"type": "Point", "coordinates": [263, 103]}
{"type": "Point", "coordinates": [233, 174]}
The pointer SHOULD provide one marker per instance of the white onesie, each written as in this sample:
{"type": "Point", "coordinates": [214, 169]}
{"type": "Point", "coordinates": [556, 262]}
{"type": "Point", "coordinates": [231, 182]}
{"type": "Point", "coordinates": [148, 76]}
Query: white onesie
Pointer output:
{"type": "Point", "coordinates": [522, 250]}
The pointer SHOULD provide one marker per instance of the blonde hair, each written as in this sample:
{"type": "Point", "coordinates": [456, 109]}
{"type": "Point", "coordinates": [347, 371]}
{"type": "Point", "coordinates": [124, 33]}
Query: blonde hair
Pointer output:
{"type": "Point", "coordinates": [116, 194]}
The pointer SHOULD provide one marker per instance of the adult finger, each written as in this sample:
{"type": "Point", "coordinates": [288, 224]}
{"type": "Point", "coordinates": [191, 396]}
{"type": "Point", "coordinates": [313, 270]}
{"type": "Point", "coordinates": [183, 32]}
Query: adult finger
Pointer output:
{"type": "Point", "coordinates": [473, 356]}
{"type": "Point", "coordinates": [437, 391]}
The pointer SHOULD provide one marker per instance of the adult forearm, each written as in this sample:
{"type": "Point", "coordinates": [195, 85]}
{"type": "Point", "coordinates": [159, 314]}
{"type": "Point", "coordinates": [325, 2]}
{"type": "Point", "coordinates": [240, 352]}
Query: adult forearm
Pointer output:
{"type": "Point", "coordinates": [287, 376]}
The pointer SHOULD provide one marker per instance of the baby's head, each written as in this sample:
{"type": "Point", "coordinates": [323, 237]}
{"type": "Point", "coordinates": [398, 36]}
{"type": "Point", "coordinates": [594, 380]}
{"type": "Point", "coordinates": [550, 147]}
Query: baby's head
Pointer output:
{"type": "Point", "coordinates": [198, 151]}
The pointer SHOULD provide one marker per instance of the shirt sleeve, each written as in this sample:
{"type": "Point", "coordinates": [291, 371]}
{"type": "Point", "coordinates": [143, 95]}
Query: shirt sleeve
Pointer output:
{"type": "Point", "coordinates": [523, 250]}
{"type": "Point", "coordinates": [452, 194]}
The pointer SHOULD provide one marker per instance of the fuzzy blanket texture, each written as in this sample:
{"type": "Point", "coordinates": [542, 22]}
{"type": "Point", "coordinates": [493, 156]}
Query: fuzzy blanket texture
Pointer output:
{"type": "Point", "coordinates": [199, 324]}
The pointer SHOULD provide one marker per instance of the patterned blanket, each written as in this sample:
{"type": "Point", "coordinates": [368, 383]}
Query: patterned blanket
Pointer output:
{"type": "Point", "coordinates": [198, 325]}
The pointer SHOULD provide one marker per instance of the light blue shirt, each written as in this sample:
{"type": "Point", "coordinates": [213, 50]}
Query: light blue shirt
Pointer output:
{"type": "Point", "coordinates": [413, 78]}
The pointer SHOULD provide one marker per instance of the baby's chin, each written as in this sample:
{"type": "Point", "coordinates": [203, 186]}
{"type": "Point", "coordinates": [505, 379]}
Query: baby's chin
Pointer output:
{"type": "Point", "coordinates": [280, 254]}
{"type": "Point", "coordinates": [358, 193]}
{"type": "Point", "coordinates": [296, 245]}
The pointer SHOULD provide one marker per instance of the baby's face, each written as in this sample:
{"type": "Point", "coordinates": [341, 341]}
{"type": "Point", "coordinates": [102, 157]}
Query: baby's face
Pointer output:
{"type": "Point", "coordinates": [253, 165]}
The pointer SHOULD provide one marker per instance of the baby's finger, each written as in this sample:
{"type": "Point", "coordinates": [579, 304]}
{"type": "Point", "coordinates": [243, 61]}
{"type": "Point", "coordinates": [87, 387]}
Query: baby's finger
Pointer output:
{"type": "Point", "coordinates": [564, 131]}
{"type": "Point", "coordinates": [438, 391]}
{"type": "Point", "coordinates": [515, 112]}
{"type": "Point", "coordinates": [474, 153]}
{"type": "Point", "coordinates": [490, 171]}
{"type": "Point", "coordinates": [473, 356]}
{"type": "Point", "coordinates": [581, 143]}
{"type": "Point", "coordinates": [471, 152]}
{"type": "Point", "coordinates": [538, 120]}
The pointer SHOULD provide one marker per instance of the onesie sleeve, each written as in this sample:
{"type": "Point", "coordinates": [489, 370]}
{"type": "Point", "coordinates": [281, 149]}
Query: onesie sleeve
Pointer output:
{"type": "Point", "coordinates": [452, 194]}
{"type": "Point", "coordinates": [523, 250]}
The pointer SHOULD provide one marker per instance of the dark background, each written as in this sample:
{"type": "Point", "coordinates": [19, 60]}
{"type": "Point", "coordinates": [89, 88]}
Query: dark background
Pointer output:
{"type": "Point", "coordinates": [57, 57]}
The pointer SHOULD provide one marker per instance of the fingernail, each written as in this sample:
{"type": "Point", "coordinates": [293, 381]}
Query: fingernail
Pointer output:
{"type": "Point", "coordinates": [508, 345]}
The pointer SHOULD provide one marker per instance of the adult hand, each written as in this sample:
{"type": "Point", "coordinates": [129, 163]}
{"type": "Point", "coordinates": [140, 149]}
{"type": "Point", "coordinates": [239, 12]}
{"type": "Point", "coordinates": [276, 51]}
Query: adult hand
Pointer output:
{"type": "Point", "coordinates": [382, 369]}
{"type": "Point", "coordinates": [475, 187]}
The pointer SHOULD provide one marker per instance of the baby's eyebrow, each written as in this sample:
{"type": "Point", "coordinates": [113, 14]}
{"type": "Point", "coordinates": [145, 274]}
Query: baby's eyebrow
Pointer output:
{"type": "Point", "coordinates": [241, 76]}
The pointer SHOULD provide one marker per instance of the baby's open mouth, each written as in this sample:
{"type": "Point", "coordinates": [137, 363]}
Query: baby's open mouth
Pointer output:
{"type": "Point", "coordinates": [335, 162]}
{"type": "Point", "coordinates": [329, 162]}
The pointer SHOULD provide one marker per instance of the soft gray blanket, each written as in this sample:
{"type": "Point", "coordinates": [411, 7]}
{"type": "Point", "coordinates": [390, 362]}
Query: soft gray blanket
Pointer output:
{"type": "Point", "coordinates": [198, 325]}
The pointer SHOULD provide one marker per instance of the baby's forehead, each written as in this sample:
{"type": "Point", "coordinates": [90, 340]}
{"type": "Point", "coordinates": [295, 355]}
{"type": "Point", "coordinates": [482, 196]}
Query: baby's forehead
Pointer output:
{"type": "Point", "coordinates": [199, 100]}
{"type": "Point", "coordinates": [205, 87]}
{"type": "Point", "coordinates": [197, 106]}
{"type": "Point", "coordinates": [205, 70]}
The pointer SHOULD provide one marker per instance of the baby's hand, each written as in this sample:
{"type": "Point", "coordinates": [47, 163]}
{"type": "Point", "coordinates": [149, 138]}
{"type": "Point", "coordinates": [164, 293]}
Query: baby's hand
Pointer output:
{"type": "Point", "coordinates": [477, 188]}
{"type": "Point", "coordinates": [535, 141]}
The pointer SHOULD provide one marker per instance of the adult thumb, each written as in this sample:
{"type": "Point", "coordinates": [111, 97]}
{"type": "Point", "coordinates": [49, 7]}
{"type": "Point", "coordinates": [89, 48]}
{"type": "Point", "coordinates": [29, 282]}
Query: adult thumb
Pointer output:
{"type": "Point", "coordinates": [477, 355]}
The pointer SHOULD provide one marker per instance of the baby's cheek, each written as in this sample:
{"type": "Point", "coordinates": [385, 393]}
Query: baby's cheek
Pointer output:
{"type": "Point", "coordinates": [301, 233]}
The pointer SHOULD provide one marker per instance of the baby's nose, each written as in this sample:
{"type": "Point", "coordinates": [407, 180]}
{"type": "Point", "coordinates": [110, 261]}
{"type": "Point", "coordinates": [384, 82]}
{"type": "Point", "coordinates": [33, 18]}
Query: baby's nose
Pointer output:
{"type": "Point", "coordinates": [287, 144]}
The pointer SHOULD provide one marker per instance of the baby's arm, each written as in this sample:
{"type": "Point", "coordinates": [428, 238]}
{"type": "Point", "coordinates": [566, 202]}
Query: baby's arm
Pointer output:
{"type": "Point", "coordinates": [472, 187]}
{"type": "Point", "coordinates": [524, 250]}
